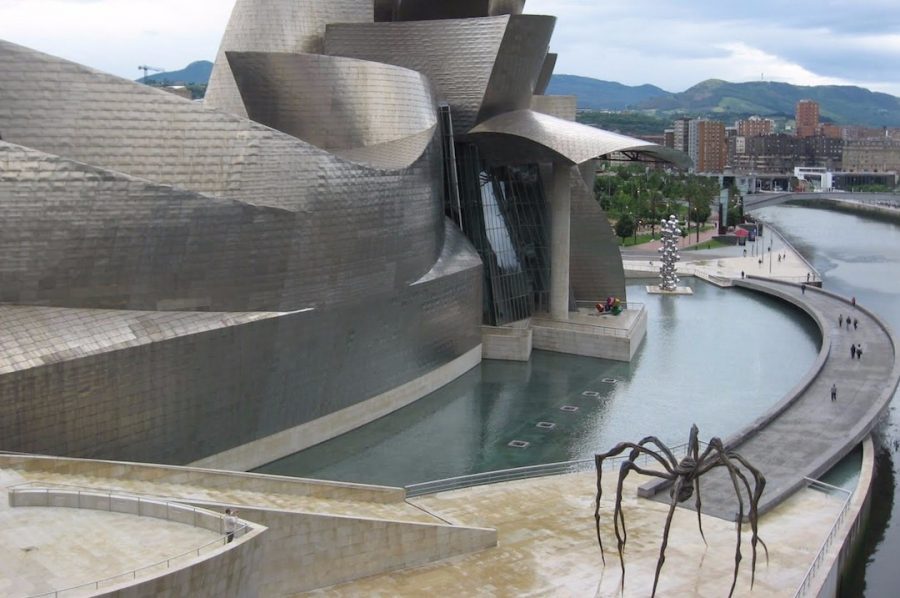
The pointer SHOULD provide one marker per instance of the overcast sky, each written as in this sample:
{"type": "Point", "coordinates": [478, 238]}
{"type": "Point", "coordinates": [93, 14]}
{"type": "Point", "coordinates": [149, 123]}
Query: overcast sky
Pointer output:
{"type": "Point", "coordinates": [670, 43]}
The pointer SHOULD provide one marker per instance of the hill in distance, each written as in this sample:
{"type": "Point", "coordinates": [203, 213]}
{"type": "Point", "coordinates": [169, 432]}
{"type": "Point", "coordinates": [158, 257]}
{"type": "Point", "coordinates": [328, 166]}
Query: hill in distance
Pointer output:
{"type": "Point", "coordinates": [594, 94]}
{"type": "Point", "coordinates": [841, 104]}
{"type": "Point", "coordinates": [196, 72]}
{"type": "Point", "coordinates": [714, 98]}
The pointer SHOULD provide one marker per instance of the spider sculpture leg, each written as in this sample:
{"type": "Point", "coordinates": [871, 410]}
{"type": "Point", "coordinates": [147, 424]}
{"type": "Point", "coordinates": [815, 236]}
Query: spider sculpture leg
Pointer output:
{"type": "Point", "coordinates": [717, 456]}
{"type": "Point", "coordinates": [665, 539]}
{"type": "Point", "coordinates": [694, 452]}
{"type": "Point", "coordinates": [668, 462]}
{"type": "Point", "coordinates": [759, 484]}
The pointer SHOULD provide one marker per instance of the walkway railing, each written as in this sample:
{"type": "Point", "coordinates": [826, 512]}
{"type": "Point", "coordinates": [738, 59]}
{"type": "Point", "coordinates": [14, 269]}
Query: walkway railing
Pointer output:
{"type": "Point", "coordinates": [522, 473]}
{"type": "Point", "coordinates": [63, 495]}
{"type": "Point", "coordinates": [834, 534]}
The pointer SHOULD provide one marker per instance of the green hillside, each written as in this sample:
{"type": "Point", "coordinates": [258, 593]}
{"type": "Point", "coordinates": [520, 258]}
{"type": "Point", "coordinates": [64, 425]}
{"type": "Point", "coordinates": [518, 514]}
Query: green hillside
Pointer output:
{"type": "Point", "coordinates": [594, 94]}
{"type": "Point", "coordinates": [840, 104]}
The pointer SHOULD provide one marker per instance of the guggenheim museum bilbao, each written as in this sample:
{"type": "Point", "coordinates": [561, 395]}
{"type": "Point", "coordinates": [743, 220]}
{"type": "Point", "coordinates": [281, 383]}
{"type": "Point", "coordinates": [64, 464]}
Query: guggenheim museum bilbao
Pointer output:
{"type": "Point", "coordinates": [367, 187]}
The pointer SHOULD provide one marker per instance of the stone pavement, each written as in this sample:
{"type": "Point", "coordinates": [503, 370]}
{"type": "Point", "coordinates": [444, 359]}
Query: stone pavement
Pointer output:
{"type": "Point", "coordinates": [812, 433]}
{"type": "Point", "coordinates": [548, 546]}
{"type": "Point", "coordinates": [43, 549]}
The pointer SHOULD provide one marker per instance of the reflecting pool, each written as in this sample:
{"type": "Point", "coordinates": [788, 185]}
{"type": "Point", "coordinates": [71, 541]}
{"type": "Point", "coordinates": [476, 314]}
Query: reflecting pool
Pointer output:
{"type": "Point", "coordinates": [719, 358]}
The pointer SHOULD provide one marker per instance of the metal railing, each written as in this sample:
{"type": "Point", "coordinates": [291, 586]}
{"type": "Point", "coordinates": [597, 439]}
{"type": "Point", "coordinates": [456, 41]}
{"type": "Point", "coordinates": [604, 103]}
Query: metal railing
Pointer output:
{"type": "Point", "coordinates": [86, 498]}
{"type": "Point", "coordinates": [528, 472]}
{"type": "Point", "coordinates": [812, 572]}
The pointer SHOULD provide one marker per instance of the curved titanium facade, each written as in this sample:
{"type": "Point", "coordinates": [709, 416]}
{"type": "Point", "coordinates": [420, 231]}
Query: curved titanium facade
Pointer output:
{"type": "Point", "coordinates": [494, 69]}
{"type": "Point", "coordinates": [529, 136]}
{"type": "Point", "coordinates": [335, 103]}
{"type": "Point", "coordinates": [316, 267]}
{"type": "Point", "coordinates": [276, 26]}
{"type": "Point", "coordinates": [179, 281]}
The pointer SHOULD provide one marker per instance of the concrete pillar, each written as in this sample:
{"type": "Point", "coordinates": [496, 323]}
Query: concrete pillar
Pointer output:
{"type": "Point", "coordinates": [560, 240]}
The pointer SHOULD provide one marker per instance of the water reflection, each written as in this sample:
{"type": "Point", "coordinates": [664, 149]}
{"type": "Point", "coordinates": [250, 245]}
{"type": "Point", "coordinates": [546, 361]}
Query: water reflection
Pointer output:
{"type": "Point", "coordinates": [703, 362]}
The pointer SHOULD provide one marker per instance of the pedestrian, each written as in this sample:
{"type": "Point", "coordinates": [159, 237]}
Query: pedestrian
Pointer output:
{"type": "Point", "coordinates": [852, 351]}
{"type": "Point", "coordinates": [840, 320]}
{"type": "Point", "coordinates": [803, 288]}
{"type": "Point", "coordinates": [834, 392]}
{"type": "Point", "coordinates": [742, 273]}
{"type": "Point", "coordinates": [848, 322]}
{"type": "Point", "coordinates": [853, 301]}
{"type": "Point", "coordinates": [807, 277]}
{"type": "Point", "coordinates": [230, 524]}
{"type": "Point", "coordinates": [858, 352]}
{"type": "Point", "coordinates": [855, 323]}
{"type": "Point", "coordinates": [745, 253]}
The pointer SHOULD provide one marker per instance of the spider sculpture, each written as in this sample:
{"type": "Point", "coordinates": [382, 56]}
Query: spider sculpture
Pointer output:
{"type": "Point", "coordinates": [684, 476]}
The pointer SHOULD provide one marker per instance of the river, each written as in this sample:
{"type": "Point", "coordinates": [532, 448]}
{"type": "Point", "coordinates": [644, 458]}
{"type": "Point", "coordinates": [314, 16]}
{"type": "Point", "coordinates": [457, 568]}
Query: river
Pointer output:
{"type": "Point", "coordinates": [859, 257]}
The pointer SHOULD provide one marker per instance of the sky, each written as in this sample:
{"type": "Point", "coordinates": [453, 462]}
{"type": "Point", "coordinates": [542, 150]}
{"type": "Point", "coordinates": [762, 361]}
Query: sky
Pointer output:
{"type": "Point", "coordinates": [673, 44]}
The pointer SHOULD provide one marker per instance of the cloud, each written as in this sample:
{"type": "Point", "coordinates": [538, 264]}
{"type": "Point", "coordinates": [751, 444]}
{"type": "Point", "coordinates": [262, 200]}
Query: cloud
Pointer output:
{"type": "Point", "coordinates": [677, 44]}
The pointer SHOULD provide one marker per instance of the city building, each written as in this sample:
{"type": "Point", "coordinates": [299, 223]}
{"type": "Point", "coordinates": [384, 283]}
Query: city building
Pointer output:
{"type": "Point", "coordinates": [876, 155]}
{"type": "Point", "coordinates": [712, 146]}
{"type": "Point", "coordinates": [318, 245]}
{"type": "Point", "coordinates": [807, 118]}
{"type": "Point", "coordinates": [755, 126]}
{"type": "Point", "coordinates": [781, 153]}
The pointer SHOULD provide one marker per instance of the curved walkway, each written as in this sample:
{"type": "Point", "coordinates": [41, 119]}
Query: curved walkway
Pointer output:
{"type": "Point", "coordinates": [806, 433]}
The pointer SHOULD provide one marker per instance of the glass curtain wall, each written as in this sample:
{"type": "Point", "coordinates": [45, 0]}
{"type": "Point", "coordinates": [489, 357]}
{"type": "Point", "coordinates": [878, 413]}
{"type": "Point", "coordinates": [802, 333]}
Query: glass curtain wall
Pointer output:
{"type": "Point", "coordinates": [503, 211]}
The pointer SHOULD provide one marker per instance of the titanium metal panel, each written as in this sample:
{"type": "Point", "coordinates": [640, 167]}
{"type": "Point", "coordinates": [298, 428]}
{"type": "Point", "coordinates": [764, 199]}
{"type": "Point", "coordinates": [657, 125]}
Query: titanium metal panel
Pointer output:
{"type": "Point", "coordinates": [276, 26]}
{"type": "Point", "coordinates": [527, 136]}
{"type": "Point", "coordinates": [546, 74]}
{"type": "Point", "coordinates": [425, 10]}
{"type": "Point", "coordinates": [177, 387]}
{"type": "Point", "coordinates": [335, 103]}
{"type": "Point", "coordinates": [518, 66]}
{"type": "Point", "coordinates": [595, 263]}
{"type": "Point", "coordinates": [458, 56]}
{"type": "Point", "coordinates": [344, 231]}
{"type": "Point", "coordinates": [564, 107]}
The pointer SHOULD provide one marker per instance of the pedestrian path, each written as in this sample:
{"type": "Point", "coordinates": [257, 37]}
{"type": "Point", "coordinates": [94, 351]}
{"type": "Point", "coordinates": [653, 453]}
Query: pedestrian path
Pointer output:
{"type": "Point", "coordinates": [807, 433]}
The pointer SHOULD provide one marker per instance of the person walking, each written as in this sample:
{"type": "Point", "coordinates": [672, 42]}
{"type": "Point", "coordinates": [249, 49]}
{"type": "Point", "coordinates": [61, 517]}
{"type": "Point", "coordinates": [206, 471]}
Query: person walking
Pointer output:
{"type": "Point", "coordinates": [858, 352]}
{"type": "Point", "coordinates": [840, 320]}
{"type": "Point", "coordinates": [855, 323]}
{"type": "Point", "coordinates": [848, 322]}
{"type": "Point", "coordinates": [803, 289]}
{"type": "Point", "coordinates": [834, 392]}
{"type": "Point", "coordinates": [852, 351]}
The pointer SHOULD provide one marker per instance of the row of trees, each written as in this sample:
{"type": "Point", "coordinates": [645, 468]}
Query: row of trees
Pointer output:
{"type": "Point", "coordinates": [634, 194]}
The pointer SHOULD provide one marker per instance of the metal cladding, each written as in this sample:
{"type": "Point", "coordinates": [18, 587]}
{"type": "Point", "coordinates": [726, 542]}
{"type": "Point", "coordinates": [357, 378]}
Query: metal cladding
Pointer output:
{"type": "Point", "coordinates": [129, 212]}
{"type": "Point", "coordinates": [424, 10]}
{"type": "Point", "coordinates": [179, 280]}
{"type": "Point", "coordinates": [337, 103]}
{"type": "Point", "coordinates": [276, 26]}
{"type": "Point", "coordinates": [495, 68]}
{"type": "Point", "coordinates": [595, 263]}
{"type": "Point", "coordinates": [564, 107]}
{"type": "Point", "coordinates": [529, 136]}
{"type": "Point", "coordinates": [546, 75]}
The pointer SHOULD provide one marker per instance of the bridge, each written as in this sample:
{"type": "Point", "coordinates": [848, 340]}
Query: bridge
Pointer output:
{"type": "Point", "coordinates": [806, 434]}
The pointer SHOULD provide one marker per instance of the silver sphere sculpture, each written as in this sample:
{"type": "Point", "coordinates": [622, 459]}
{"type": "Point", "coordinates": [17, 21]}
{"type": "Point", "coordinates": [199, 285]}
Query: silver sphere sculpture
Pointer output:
{"type": "Point", "coordinates": [669, 254]}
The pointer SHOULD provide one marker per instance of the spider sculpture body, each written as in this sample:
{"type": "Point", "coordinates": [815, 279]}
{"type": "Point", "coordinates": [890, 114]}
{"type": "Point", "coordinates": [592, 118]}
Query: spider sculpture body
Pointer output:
{"type": "Point", "coordinates": [684, 476]}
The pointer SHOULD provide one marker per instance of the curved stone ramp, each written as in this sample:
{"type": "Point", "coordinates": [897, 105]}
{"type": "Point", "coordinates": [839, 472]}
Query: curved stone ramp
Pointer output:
{"type": "Point", "coordinates": [806, 434]}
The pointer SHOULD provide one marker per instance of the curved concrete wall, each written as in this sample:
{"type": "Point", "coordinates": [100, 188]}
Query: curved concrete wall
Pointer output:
{"type": "Point", "coordinates": [276, 26]}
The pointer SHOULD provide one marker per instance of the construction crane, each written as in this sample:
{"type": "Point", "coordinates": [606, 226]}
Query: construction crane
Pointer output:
{"type": "Point", "coordinates": [147, 69]}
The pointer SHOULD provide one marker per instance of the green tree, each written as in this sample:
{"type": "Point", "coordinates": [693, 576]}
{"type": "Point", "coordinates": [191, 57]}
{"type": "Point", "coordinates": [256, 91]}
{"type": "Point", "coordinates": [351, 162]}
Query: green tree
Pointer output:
{"type": "Point", "coordinates": [625, 227]}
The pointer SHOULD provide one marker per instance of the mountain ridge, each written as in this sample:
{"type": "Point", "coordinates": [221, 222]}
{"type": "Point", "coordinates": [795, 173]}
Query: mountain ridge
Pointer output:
{"type": "Point", "coordinates": [713, 98]}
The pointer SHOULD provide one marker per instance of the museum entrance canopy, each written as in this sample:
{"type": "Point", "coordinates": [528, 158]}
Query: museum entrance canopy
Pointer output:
{"type": "Point", "coordinates": [527, 136]}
